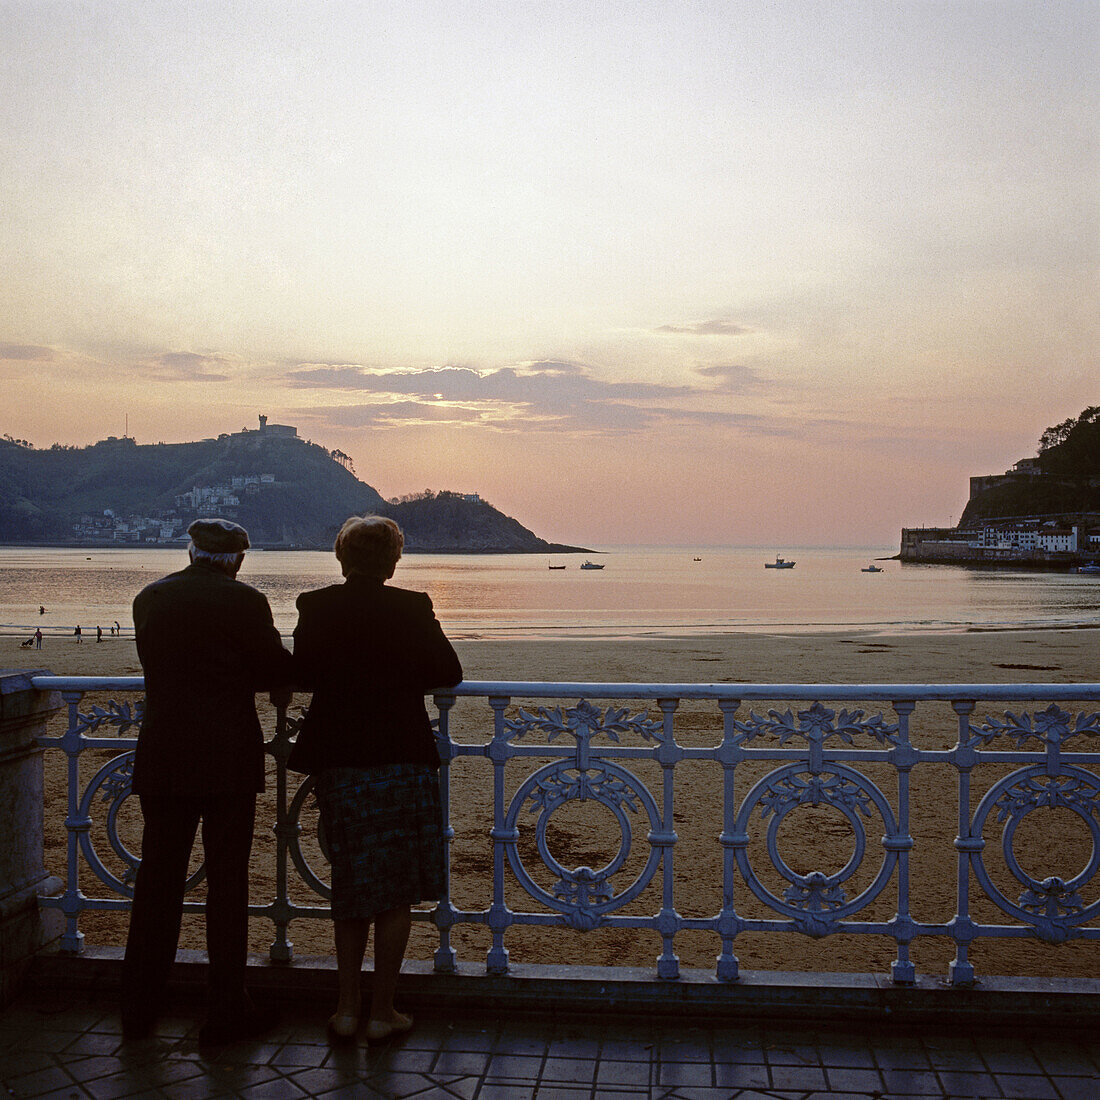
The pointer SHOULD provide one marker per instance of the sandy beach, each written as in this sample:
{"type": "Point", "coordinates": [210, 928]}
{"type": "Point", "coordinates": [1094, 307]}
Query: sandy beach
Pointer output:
{"type": "Point", "coordinates": [580, 834]}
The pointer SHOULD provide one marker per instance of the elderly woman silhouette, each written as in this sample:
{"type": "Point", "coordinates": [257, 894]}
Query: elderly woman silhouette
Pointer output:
{"type": "Point", "coordinates": [369, 652]}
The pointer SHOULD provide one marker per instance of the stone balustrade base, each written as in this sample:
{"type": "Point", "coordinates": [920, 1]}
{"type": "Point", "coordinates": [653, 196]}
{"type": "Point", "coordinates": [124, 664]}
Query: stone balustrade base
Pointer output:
{"type": "Point", "coordinates": [821, 999]}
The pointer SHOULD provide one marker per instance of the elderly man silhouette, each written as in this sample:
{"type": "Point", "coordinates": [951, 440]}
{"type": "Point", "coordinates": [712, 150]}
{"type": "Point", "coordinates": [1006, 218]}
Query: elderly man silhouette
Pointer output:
{"type": "Point", "coordinates": [207, 644]}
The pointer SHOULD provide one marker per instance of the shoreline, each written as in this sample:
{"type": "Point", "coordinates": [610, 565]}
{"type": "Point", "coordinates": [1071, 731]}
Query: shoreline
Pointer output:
{"type": "Point", "coordinates": [688, 635]}
{"type": "Point", "coordinates": [1055, 654]}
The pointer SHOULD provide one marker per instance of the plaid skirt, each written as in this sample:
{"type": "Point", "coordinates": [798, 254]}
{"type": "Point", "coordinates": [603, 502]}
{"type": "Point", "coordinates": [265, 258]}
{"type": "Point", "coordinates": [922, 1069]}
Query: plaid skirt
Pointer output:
{"type": "Point", "coordinates": [384, 832]}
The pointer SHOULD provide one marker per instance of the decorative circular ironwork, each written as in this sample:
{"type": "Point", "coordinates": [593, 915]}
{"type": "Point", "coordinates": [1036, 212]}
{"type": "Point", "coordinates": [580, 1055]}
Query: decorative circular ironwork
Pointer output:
{"type": "Point", "coordinates": [112, 784]}
{"type": "Point", "coordinates": [583, 895]}
{"type": "Point", "coordinates": [815, 901]}
{"type": "Point", "coordinates": [294, 841]}
{"type": "Point", "coordinates": [1052, 906]}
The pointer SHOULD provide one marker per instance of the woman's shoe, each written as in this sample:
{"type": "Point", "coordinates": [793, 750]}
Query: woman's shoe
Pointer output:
{"type": "Point", "coordinates": [379, 1031]}
{"type": "Point", "coordinates": [343, 1028]}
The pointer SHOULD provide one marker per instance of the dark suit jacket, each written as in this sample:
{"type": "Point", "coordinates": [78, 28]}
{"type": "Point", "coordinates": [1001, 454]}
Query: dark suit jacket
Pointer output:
{"type": "Point", "coordinates": [368, 652]}
{"type": "Point", "coordinates": [207, 644]}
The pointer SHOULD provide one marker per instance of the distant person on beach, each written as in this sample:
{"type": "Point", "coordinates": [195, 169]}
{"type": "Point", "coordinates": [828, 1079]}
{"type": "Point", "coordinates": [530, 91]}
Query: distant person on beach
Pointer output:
{"type": "Point", "coordinates": [369, 651]}
{"type": "Point", "coordinates": [41, 610]}
{"type": "Point", "coordinates": [38, 639]}
{"type": "Point", "coordinates": [99, 634]}
{"type": "Point", "coordinates": [118, 629]}
{"type": "Point", "coordinates": [207, 644]}
{"type": "Point", "coordinates": [76, 634]}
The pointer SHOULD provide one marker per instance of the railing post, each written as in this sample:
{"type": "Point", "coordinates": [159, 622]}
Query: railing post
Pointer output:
{"type": "Point", "coordinates": [496, 961]}
{"type": "Point", "coordinates": [286, 831]}
{"type": "Point", "coordinates": [961, 970]}
{"type": "Point", "coordinates": [904, 757]}
{"type": "Point", "coordinates": [668, 920]}
{"type": "Point", "coordinates": [444, 913]}
{"type": "Point", "coordinates": [729, 924]}
{"type": "Point", "coordinates": [24, 925]}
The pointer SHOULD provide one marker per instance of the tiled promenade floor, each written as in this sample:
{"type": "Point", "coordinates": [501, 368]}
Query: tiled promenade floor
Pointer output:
{"type": "Point", "coordinates": [61, 1047]}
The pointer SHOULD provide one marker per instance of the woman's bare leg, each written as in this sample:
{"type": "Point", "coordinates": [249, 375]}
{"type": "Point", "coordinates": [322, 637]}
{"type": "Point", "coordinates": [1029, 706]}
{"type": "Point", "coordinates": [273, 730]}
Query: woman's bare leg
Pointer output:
{"type": "Point", "coordinates": [391, 937]}
{"type": "Point", "coordinates": [351, 946]}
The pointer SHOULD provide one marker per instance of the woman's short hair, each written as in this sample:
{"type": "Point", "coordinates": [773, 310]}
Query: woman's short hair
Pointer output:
{"type": "Point", "coordinates": [370, 545]}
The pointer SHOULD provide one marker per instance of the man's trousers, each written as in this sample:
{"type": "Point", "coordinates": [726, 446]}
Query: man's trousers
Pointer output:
{"type": "Point", "coordinates": [171, 822]}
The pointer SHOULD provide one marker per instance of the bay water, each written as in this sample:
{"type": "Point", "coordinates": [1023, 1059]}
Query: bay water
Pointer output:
{"type": "Point", "coordinates": [640, 592]}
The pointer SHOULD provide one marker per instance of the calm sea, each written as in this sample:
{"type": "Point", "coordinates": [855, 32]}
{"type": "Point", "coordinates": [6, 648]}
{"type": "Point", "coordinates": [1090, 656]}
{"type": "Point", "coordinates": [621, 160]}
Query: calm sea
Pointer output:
{"type": "Point", "coordinates": [640, 592]}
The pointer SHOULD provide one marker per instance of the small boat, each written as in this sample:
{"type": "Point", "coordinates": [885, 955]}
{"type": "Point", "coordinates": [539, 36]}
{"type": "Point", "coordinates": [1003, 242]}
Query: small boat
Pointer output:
{"type": "Point", "coordinates": [590, 565]}
{"type": "Point", "coordinates": [779, 563]}
{"type": "Point", "coordinates": [551, 565]}
{"type": "Point", "coordinates": [1092, 567]}
{"type": "Point", "coordinates": [696, 559]}
{"type": "Point", "coordinates": [872, 568]}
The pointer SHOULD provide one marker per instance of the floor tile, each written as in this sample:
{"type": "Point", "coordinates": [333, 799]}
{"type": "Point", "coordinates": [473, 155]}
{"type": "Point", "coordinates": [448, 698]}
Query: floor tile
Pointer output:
{"type": "Point", "coordinates": [514, 1066]}
{"type": "Point", "coordinates": [847, 1057]}
{"type": "Point", "coordinates": [684, 1073]}
{"type": "Point", "coordinates": [797, 1077]}
{"type": "Point", "coordinates": [784, 1055]}
{"type": "Point", "coordinates": [625, 1050]}
{"type": "Point", "coordinates": [741, 1076]}
{"type": "Point", "coordinates": [1077, 1088]}
{"type": "Point", "coordinates": [676, 1050]}
{"type": "Point", "coordinates": [568, 1071]}
{"type": "Point", "coordinates": [968, 1084]}
{"type": "Point", "coordinates": [94, 1043]}
{"type": "Point", "coordinates": [1033, 1088]}
{"type": "Point", "coordinates": [611, 1073]}
{"type": "Point", "coordinates": [42, 1080]}
{"type": "Point", "coordinates": [854, 1080]}
{"type": "Point", "coordinates": [491, 1090]}
{"type": "Point", "coordinates": [278, 1089]}
{"type": "Point", "coordinates": [967, 1061]}
{"type": "Point", "coordinates": [298, 1054]}
{"type": "Point", "coordinates": [906, 1082]}
{"type": "Point", "coordinates": [1010, 1061]}
{"type": "Point", "coordinates": [902, 1060]}
{"type": "Point", "coordinates": [461, 1061]}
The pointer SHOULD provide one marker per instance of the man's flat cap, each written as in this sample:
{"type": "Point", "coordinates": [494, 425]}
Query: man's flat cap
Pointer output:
{"type": "Point", "coordinates": [218, 536]}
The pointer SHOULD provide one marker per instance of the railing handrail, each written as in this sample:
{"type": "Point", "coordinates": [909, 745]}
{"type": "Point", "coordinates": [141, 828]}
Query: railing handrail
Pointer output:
{"type": "Point", "coordinates": [548, 689]}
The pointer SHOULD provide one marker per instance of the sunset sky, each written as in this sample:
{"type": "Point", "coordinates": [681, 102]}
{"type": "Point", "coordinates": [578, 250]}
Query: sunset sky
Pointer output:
{"type": "Point", "coordinates": [677, 272]}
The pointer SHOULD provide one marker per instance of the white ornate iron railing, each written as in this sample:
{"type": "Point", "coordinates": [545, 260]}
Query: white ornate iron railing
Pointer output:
{"type": "Point", "coordinates": [801, 753]}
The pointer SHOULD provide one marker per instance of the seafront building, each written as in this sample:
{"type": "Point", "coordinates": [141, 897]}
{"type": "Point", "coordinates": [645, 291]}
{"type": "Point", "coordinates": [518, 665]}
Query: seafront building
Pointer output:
{"type": "Point", "coordinates": [1020, 540]}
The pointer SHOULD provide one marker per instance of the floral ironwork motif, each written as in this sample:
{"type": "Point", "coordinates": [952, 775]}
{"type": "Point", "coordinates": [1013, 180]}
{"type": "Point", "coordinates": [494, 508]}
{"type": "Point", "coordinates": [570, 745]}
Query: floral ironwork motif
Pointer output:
{"type": "Point", "coordinates": [116, 784]}
{"type": "Point", "coordinates": [121, 716]}
{"type": "Point", "coordinates": [817, 723]}
{"type": "Point", "coordinates": [792, 789]}
{"type": "Point", "coordinates": [1032, 792]}
{"type": "Point", "coordinates": [583, 721]}
{"type": "Point", "coordinates": [1051, 727]}
{"type": "Point", "coordinates": [1052, 898]}
{"type": "Point", "coordinates": [562, 786]}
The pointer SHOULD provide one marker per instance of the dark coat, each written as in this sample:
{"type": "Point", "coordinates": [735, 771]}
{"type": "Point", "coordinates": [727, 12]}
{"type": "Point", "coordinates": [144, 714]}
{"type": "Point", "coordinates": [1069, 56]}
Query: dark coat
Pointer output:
{"type": "Point", "coordinates": [369, 652]}
{"type": "Point", "coordinates": [207, 644]}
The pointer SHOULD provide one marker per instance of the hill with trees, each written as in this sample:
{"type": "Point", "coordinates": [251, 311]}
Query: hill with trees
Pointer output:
{"type": "Point", "coordinates": [1063, 479]}
{"type": "Point", "coordinates": [286, 491]}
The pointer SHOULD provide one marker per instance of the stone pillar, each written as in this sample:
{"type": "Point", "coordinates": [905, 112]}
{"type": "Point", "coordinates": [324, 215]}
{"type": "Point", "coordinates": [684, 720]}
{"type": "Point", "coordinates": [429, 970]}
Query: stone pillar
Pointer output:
{"type": "Point", "coordinates": [24, 927]}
